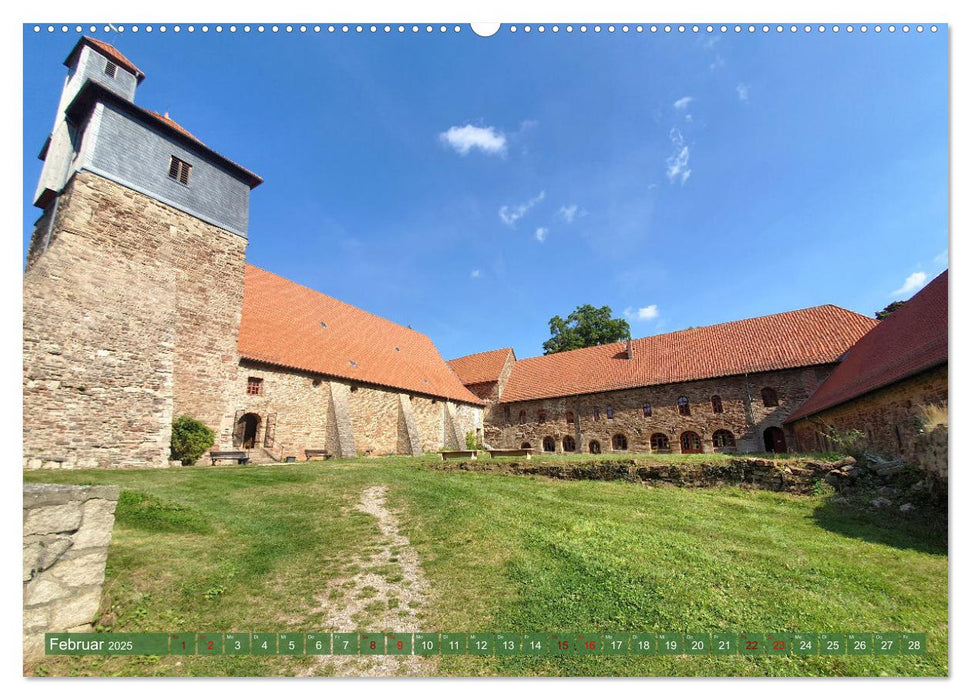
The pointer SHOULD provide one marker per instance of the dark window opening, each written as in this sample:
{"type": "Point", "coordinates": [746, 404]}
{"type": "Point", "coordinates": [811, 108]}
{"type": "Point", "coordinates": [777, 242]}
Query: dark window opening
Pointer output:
{"type": "Point", "coordinates": [569, 417]}
{"type": "Point", "coordinates": [660, 443]}
{"type": "Point", "coordinates": [900, 441]}
{"type": "Point", "coordinates": [769, 397]}
{"type": "Point", "coordinates": [620, 442]}
{"type": "Point", "coordinates": [596, 413]}
{"type": "Point", "coordinates": [254, 386]}
{"type": "Point", "coordinates": [722, 439]}
{"type": "Point", "coordinates": [594, 447]}
{"type": "Point", "coordinates": [110, 69]}
{"type": "Point", "coordinates": [522, 417]}
{"type": "Point", "coordinates": [179, 170]}
{"type": "Point", "coordinates": [506, 413]}
{"type": "Point", "coordinates": [716, 404]}
{"type": "Point", "coordinates": [647, 410]}
{"type": "Point", "coordinates": [549, 444]}
{"type": "Point", "coordinates": [541, 415]}
{"type": "Point", "coordinates": [569, 444]}
{"type": "Point", "coordinates": [610, 412]}
{"type": "Point", "coordinates": [525, 446]}
{"type": "Point", "coordinates": [684, 408]}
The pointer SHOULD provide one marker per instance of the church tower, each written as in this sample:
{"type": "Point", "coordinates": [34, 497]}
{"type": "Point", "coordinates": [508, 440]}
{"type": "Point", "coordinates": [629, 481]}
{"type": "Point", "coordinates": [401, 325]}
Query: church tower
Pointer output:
{"type": "Point", "coordinates": [134, 281]}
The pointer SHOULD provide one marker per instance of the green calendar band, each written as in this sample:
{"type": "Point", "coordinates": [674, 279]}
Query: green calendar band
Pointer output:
{"type": "Point", "coordinates": [484, 643]}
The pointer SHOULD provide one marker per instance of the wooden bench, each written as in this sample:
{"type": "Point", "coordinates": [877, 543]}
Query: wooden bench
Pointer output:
{"type": "Point", "coordinates": [317, 453]}
{"type": "Point", "coordinates": [467, 454]}
{"type": "Point", "coordinates": [240, 457]}
{"type": "Point", "coordinates": [528, 454]}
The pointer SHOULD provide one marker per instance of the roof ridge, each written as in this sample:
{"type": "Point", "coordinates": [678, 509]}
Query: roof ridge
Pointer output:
{"type": "Point", "coordinates": [483, 352]}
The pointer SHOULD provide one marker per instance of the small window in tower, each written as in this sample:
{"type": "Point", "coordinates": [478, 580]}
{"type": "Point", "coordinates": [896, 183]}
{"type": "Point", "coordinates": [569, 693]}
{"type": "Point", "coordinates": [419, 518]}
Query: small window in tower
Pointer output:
{"type": "Point", "coordinates": [179, 170]}
{"type": "Point", "coordinates": [254, 386]}
{"type": "Point", "coordinates": [110, 69]}
{"type": "Point", "coordinates": [569, 417]}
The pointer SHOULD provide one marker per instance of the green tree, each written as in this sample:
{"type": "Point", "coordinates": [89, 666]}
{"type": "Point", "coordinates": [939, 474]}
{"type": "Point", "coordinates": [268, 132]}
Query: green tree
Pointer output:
{"type": "Point", "coordinates": [888, 309]}
{"type": "Point", "coordinates": [190, 439]}
{"type": "Point", "coordinates": [585, 327]}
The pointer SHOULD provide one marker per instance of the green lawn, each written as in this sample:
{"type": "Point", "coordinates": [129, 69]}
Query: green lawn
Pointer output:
{"type": "Point", "coordinates": [249, 549]}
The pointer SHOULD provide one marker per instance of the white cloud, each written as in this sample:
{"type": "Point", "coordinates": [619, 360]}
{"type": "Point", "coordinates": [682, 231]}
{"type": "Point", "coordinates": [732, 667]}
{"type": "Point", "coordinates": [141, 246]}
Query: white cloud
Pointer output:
{"type": "Point", "coordinates": [742, 90]}
{"type": "Point", "coordinates": [541, 233]}
{"type": "Point", "coordinates": [683, 102]}
{"type": "Point", "coordinates": [677, 162]}
{"type": "Point", "coordinates": [719, 62]}
{"type": "Point", "coordinates": [510, 215]}
{"type": "Point", "coordinates": [941, 258]}
{"type": "Point", "coordinates": [476, 274]}
{"type": "Point", "coordinates": [644, 313]}
{"type": "Point", "coordinates": [571, 212]}
{"type": "Point", "coordinates": [914, 281]}
{"type": "Point", "coordinates": [464, 138]}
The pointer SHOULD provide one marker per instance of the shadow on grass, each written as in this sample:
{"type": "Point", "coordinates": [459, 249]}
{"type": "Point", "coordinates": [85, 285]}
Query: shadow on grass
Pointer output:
{"type": "Point", "coordinates": [922, 530]}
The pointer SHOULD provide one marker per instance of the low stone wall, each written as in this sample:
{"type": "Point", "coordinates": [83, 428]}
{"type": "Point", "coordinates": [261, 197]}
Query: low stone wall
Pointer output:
{"type": "Point", "coordinates": [931, 455]}
{"type": "Point", "coordinates": [791, 475]}
{"type": "Point", "coordinates": [66, 534]}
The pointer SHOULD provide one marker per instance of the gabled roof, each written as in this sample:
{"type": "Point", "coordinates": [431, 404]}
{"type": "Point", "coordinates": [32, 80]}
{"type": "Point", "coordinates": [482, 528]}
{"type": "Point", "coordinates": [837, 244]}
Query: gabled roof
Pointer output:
{"type": "Point", "coordinates": [289, 325]}
{"type": "Point", "coordinates": [813, 336]}
{"type": "Point", "coordinates": [912, 340]}
{"type": "Point", "coordinates": [482, 366]}
{"type": "Point", "coordinates": [93, 92]}
{"type": "Point", "coordinates": [106, 50]}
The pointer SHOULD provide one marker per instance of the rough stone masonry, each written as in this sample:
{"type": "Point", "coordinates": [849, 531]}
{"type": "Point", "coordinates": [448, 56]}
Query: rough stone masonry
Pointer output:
{"type": "Point", "coordinates": [67, 530]}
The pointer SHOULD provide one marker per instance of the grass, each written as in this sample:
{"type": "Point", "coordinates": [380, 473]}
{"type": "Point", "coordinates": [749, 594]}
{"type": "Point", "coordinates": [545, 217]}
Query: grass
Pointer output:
{"type": "Point", "coordinates": [251, 548]}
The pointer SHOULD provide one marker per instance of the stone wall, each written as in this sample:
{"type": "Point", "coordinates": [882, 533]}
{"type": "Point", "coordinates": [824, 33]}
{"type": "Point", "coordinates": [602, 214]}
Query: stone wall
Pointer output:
{"type": "Point", "coordinates": [889, 418]}
{"type": "Point", "coordinates": [743, 413]}
{"type": "Point", "coordinates": [67, 530]}
{"type": "Point", "coordinates": [298, 410]}
{"type": "Point", "coordinates": [130, 319]}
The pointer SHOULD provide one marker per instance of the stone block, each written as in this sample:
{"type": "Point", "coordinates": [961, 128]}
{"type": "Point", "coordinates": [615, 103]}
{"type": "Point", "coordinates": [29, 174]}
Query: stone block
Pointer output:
{"type": "Point", "coordinates": [53, 519]}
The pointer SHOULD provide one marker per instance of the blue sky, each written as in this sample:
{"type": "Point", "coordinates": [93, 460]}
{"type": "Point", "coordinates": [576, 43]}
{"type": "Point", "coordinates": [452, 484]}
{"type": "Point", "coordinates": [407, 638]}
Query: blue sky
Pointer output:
{"type": "Point", "coordinates": [474, 187]}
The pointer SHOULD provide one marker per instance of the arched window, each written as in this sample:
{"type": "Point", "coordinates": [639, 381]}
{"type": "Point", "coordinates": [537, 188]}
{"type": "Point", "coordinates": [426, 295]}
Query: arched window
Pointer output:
{"type": "Point", "coordinates": [596, 413]}
{"type": "Point", "coordinates": [684, 408]}
{"type": "Point", "coordinates": [620, 441]}
{"type": "Point", "coordinates": [569, 417]}
{"type": "Point", "coordinates": [549, 444]}
{"type": "Point", "coordinates": [506, 413]}
{"type": "Point", "coordinates": [690, 442]}
{"type": "Point", "coordinates": [594, 447]}
{"type": "Point", "coordinates": [647, 410]}
{"type": "Point", "coordinates": [525, 446]}
{"type": "Point", "coordinates": [716, 404]}
{"type": "Point", "coordinates": [541, 415]}
{"type": "Point", "coordinates": [610, 412]}
{"type": "Point", "coordinates": [769, 397]}
{"type": "Point", "coordinates": [522, 417]}
{"type": "Point", "coordinates": [660, 443]}
{"type": "Point", "coordinates": [569, 444]}
{"type": "Point", "coordinates": [722, 438]}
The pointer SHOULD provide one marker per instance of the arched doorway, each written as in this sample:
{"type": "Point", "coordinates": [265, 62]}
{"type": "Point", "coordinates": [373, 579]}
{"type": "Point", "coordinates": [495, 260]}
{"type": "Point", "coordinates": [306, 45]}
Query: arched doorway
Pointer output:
{"type": "Point", "coordinates": [690, 443]}
{"type": "Point", "coordinates": [775, 439]}
{"type": "Point", "coordinates": [549, 444]}
{"type": "Point", "coordinates": [569, 444]}
{"type": "Point", "coordinates": [594, 447]}
{"type": "Point", "coordinates": [247, 428]}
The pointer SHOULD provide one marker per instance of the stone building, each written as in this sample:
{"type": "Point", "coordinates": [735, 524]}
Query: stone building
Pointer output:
{"type": "Point", "coordinates": [886, 379]}
{"type": "Point", "coordinates": [485, 374]}
{"type": "Point", "coordinates": [723, 388]}
{"type": "Point", "coordinates": [134, 308]}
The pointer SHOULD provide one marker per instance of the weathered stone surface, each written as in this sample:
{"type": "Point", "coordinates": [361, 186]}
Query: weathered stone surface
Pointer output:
{"type": "Point", "coordinates": [880, 502]}
{"type": "Point", "coordinates": [44, 590]}
{"type": "Point", "coordinates": [53, 519]}
{"type": "Point", "coordinates": [97, 521]}
{"type": "Point", "coordinates": [86, 569]}
{"type": "Point", "coordinates": [79, 610]}
{"type": "Point", "coordinates": [40, 555]}
{"type": "Point", "coordinates": [602, 416]}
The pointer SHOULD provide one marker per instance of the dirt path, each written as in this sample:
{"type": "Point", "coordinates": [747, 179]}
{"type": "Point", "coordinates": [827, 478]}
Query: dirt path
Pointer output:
{"type": "Point", "coordinates": [386, 595]}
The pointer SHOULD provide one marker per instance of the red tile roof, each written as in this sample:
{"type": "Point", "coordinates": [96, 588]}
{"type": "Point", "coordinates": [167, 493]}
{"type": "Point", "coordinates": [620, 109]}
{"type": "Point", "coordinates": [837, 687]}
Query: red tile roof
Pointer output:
{"type": "Point", "coordinates": [109, 52]}
{"type": "Point", "coordinates": [910, 341]}
{"type": "Point", "coordinates": [814, 336]}
{"type": "Point", "coordinates": [289, 325]}
{"type": "Point", "coordinates": [481, 367]}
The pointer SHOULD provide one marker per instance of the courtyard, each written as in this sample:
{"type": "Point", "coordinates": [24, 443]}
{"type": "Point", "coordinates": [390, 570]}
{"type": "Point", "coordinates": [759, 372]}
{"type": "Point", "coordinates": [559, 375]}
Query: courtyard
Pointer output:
{"type": "Point", "coordinates": [393, 544]}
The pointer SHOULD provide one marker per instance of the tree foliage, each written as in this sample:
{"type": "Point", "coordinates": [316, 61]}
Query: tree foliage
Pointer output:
{"type": "Point", "coordinates": [585, 327]}
{"type": "Point", "coordinates": [888, 309]}
{"type": "Point", "coordinates": [190, 439]}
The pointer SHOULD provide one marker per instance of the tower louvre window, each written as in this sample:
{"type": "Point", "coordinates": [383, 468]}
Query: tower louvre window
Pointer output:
{"type": "Point", "coordinates": [254, 386]}
{"type": "Point", "coordinates": [179, 170]}
{"type": "Point", "coordinates": [110, 69]}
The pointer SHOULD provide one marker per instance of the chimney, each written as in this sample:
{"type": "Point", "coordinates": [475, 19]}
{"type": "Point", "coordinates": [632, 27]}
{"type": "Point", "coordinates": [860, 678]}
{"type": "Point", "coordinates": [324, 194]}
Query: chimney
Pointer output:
{"type": "Point", "coordinates": [630, 349]}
